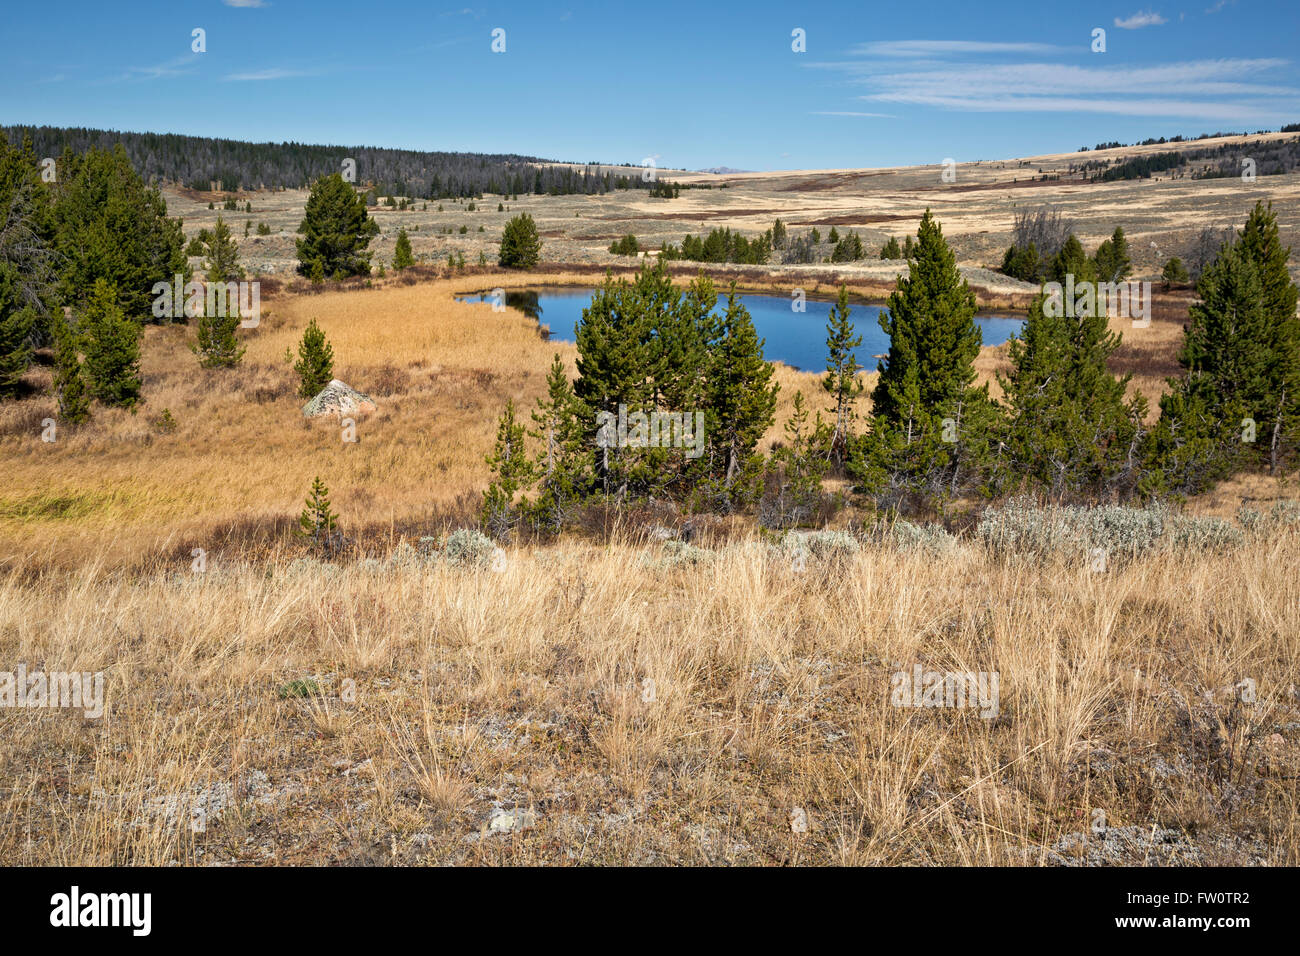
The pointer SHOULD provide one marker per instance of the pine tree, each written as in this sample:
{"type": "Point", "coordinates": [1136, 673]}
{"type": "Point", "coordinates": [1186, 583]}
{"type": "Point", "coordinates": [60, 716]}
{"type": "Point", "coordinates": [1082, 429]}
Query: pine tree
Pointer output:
{"type": "Point", "coordinates": [1072, 261]}
{"type": "Point", "coordinates": [1174, 272]}
{"type": "Point", "coordinates": [563, 465]}
{"type": "Point", "coordinates": [1280, 406]}
{"type": "Point", "coordinates": [932, 430]}
{"type": "Point", "coordinates": [740, 404]}
{"type": "Point", "coordinates": [17, 322]}
{"type": "Point", "coordinates": [796, 470]}
{"type": "Point", "coordinates": [69, 376]}
{"type": "Point", "coordinates": [520, 246]}
{"type": "Point", "coordinates": [222, 264]}
{"type": "Point", "coordinates": [110, 226]}
{"type": "Point", "coordinates": [842, 380]}
{"type": "Point", "coordinates": [1227, 384]}
{"type": "Point", "coordinates": [513, 474]}
{"type": "Point", "coordinates": [1112, 262]}
{"type": "Point", "coordinates": [402, 257]}
{"type": "Point", "coordinates": [315, 365]}
{"type": "Point", "coordinates": [336, 231]}
{"type": "Point", "coordinates": [318, 522]}
{"type": "Point", "coordinates": [891, 249]}
{"type": "Point", "coordinates": [111, 343]}
{"type": "Point", "coordinates": [1069, 428]}
{"type": "Point", "coordinates": [217, 345]}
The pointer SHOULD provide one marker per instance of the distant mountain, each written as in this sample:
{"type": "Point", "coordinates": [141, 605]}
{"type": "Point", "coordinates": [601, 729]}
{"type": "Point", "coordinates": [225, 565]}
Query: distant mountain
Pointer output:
{"type": "Point", "coordinates": [722, 170]}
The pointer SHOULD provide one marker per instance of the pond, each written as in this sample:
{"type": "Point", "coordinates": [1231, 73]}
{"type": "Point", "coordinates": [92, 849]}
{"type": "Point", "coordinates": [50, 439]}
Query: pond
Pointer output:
{"type": "Point", "coordinates": [796, 338]}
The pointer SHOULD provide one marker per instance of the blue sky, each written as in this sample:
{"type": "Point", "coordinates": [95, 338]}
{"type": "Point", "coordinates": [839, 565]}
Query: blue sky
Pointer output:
{"type": "Point", "coordinates": [690, 84]}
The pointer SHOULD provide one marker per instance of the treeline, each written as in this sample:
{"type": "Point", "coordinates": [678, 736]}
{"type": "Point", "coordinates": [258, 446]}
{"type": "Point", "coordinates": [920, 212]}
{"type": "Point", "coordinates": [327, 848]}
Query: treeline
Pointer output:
{"type": "Point", "coordinates": [1161, 140]}
{"type": "Point", "coordinates": [1270, 159]}
{"type": "Point", "coordinates": [1065, 426]}
{"type": "Point", "coordinates": [728, 246]}
{"type": "Point", "coordinates": [198, 161]}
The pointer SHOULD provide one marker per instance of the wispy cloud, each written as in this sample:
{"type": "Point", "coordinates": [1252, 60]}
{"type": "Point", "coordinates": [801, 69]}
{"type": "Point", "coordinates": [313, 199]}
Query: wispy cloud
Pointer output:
{"type": "Point", "coordinates": [180, 66]}
{"type": "Point", "coordinates": [924, 48]}
{"type": "Point", "coordinates": [275, 73]}
{"type": "Point", "coordinates": [244, 3]}
{"type": "Point", "coordinates": [852, 113]}
{"type": "Point", "coordinates": [953, 75]}
{"type": "Point", "coordinates": [1145, 18]}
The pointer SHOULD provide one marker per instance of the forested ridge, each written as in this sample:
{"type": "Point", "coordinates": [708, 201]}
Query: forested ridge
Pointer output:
{"type": "Point", "coordinates": [198, 161]}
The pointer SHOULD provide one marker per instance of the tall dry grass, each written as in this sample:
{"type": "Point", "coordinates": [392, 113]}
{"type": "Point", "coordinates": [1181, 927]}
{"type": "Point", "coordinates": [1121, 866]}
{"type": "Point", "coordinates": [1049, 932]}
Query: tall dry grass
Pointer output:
{"type": "Point", "coordinates": [438, 699]}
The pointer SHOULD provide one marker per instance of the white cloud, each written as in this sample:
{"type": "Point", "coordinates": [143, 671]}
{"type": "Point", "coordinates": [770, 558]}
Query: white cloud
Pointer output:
{"type": "Point", "coordinates": [1141, 19]}
{"type": "Point", "coordinates": [243, 3]}
{"type": "Point", "coordinates": [274, 73]}
{"type": "Point", "coordinates": [939, 48]}
{"type": "Point", "coordinates": [851, 113]}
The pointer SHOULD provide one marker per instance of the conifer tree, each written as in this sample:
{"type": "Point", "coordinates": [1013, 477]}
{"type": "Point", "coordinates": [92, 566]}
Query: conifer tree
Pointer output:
{"type": "Point", "coordinates": [740, 403]}
{"type": "Point", "coordinates": [336, 229]}
{"type": "Point", "coordinates": [111, 343]}
{"type": "Point", "coordinates": [932, 430]}
{"type": "Point", "coordinates": [318, 522]}
{"type": "Point", "coordinates": [222, 264]}
{"type": "Point", "coordinates": [1280, 406]}
{"type": "Point", "coordinates": [797, 471]}
{"type": "Point", "coordinates": [217, 345]}
{"type": "Point", "coordinates": [1226, 391]}
{"type": "Point", "coordinates": [520, 246]}
{"type": "Point", "coordinates": [842, 381]}
{"type": "Point", "coordinates": [315, 365]}
{"type": "Point", "coordinates": [1112, 262]}
{"type": "Point", "coordinates": [1069, 428]}
{"type": "Point", "coordinates": [891, 249]}
{"type": "Point", "coordinates": [69, 376]}
{"type": "Point", "coordinates": [1174, 272]}
{"type": "Point", "coordinates": [17, 322]}
{"type": "Point", "coordinates": [402, 257]}
{"type": "Point", "coordinates": [1072, 260]}
{"type": "Point", "coordinates": [512, 474]}
{"type": "Point", "coordinates": [563, 464]}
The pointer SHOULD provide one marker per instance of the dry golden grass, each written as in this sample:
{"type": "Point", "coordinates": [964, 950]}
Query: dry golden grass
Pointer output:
{"type": "Point", "coordinates": [444, 696]}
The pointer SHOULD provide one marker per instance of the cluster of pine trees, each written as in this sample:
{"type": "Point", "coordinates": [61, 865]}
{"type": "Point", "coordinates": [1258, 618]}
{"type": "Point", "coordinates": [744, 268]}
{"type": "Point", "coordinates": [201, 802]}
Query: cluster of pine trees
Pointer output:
{"type": "Point", "coordinates": [644, 346]}
{"type": "Point", "coordinates": [1039, 256]}
{"type": "Point", "coordinates": [1065, 426]}
{"type": "Point", "coordinates": [80, 251]}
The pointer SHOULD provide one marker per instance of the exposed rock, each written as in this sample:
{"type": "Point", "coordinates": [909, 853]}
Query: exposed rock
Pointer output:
{"type": "Point", "coordinates": [336, 398]}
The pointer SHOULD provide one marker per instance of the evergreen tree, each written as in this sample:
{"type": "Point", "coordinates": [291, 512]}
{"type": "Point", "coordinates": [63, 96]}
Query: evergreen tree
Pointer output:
{"type": "Point", "coordinates": [69, 376]}
{"type": "Point", "coordinates": [1112, 262]}
{"type": "Point", "coordinates": [740, 403]}
{"type": "Point", "coordinates": [932, 430]}
{"type": "Point", "coordinates": [315, 365]}
{"type": "Point", "coordinates": [891, 249]}
{"type": "Point", "coordinates": [563, 466]}
{"type": "Point", "coordinates": [1227, 384]}
{"type": "Point", "coordinates": [336, 231]}
{"type": "Point", "coordinates": [17, 322]}
{"type": "Point", "coordinates": [402, 257]}
{"type": "Point", "coordinates": [318, 522]}
{"type": "Point", "coordinates": [796, 471]}
{"type": "Point", "coordinates": [111, 343]}
{"type": "Point", "coordinates": [110, 226]}
{"type": "Point", "coordinates": [512, 471]}
{"type": "Point", "coordinates": [1280, 405]}
{"type": "Point", "coordinates": [520, 246]}
{"type": "Point", "coordinates": [1072, 260]}
{"type": "Point", "coordinates": [1174, 272]}
{"type": "Point", "coordinates": [1069, 428]}
{"type": "Point", "coordinates": [217, 345]}
{"type": "Point", "coordinates": [842, 380]}
{"type": "Point", "coordinates": [222, 263]}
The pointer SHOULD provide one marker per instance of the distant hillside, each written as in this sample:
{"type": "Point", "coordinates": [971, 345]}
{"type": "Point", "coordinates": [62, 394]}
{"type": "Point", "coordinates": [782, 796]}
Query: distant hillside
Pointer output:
{"type": "Point", "coordinates": [198, 161]}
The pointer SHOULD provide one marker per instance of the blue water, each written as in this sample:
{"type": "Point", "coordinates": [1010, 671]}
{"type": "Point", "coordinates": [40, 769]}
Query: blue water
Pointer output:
{"type": "Point", "coordinates": [795, 338]}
